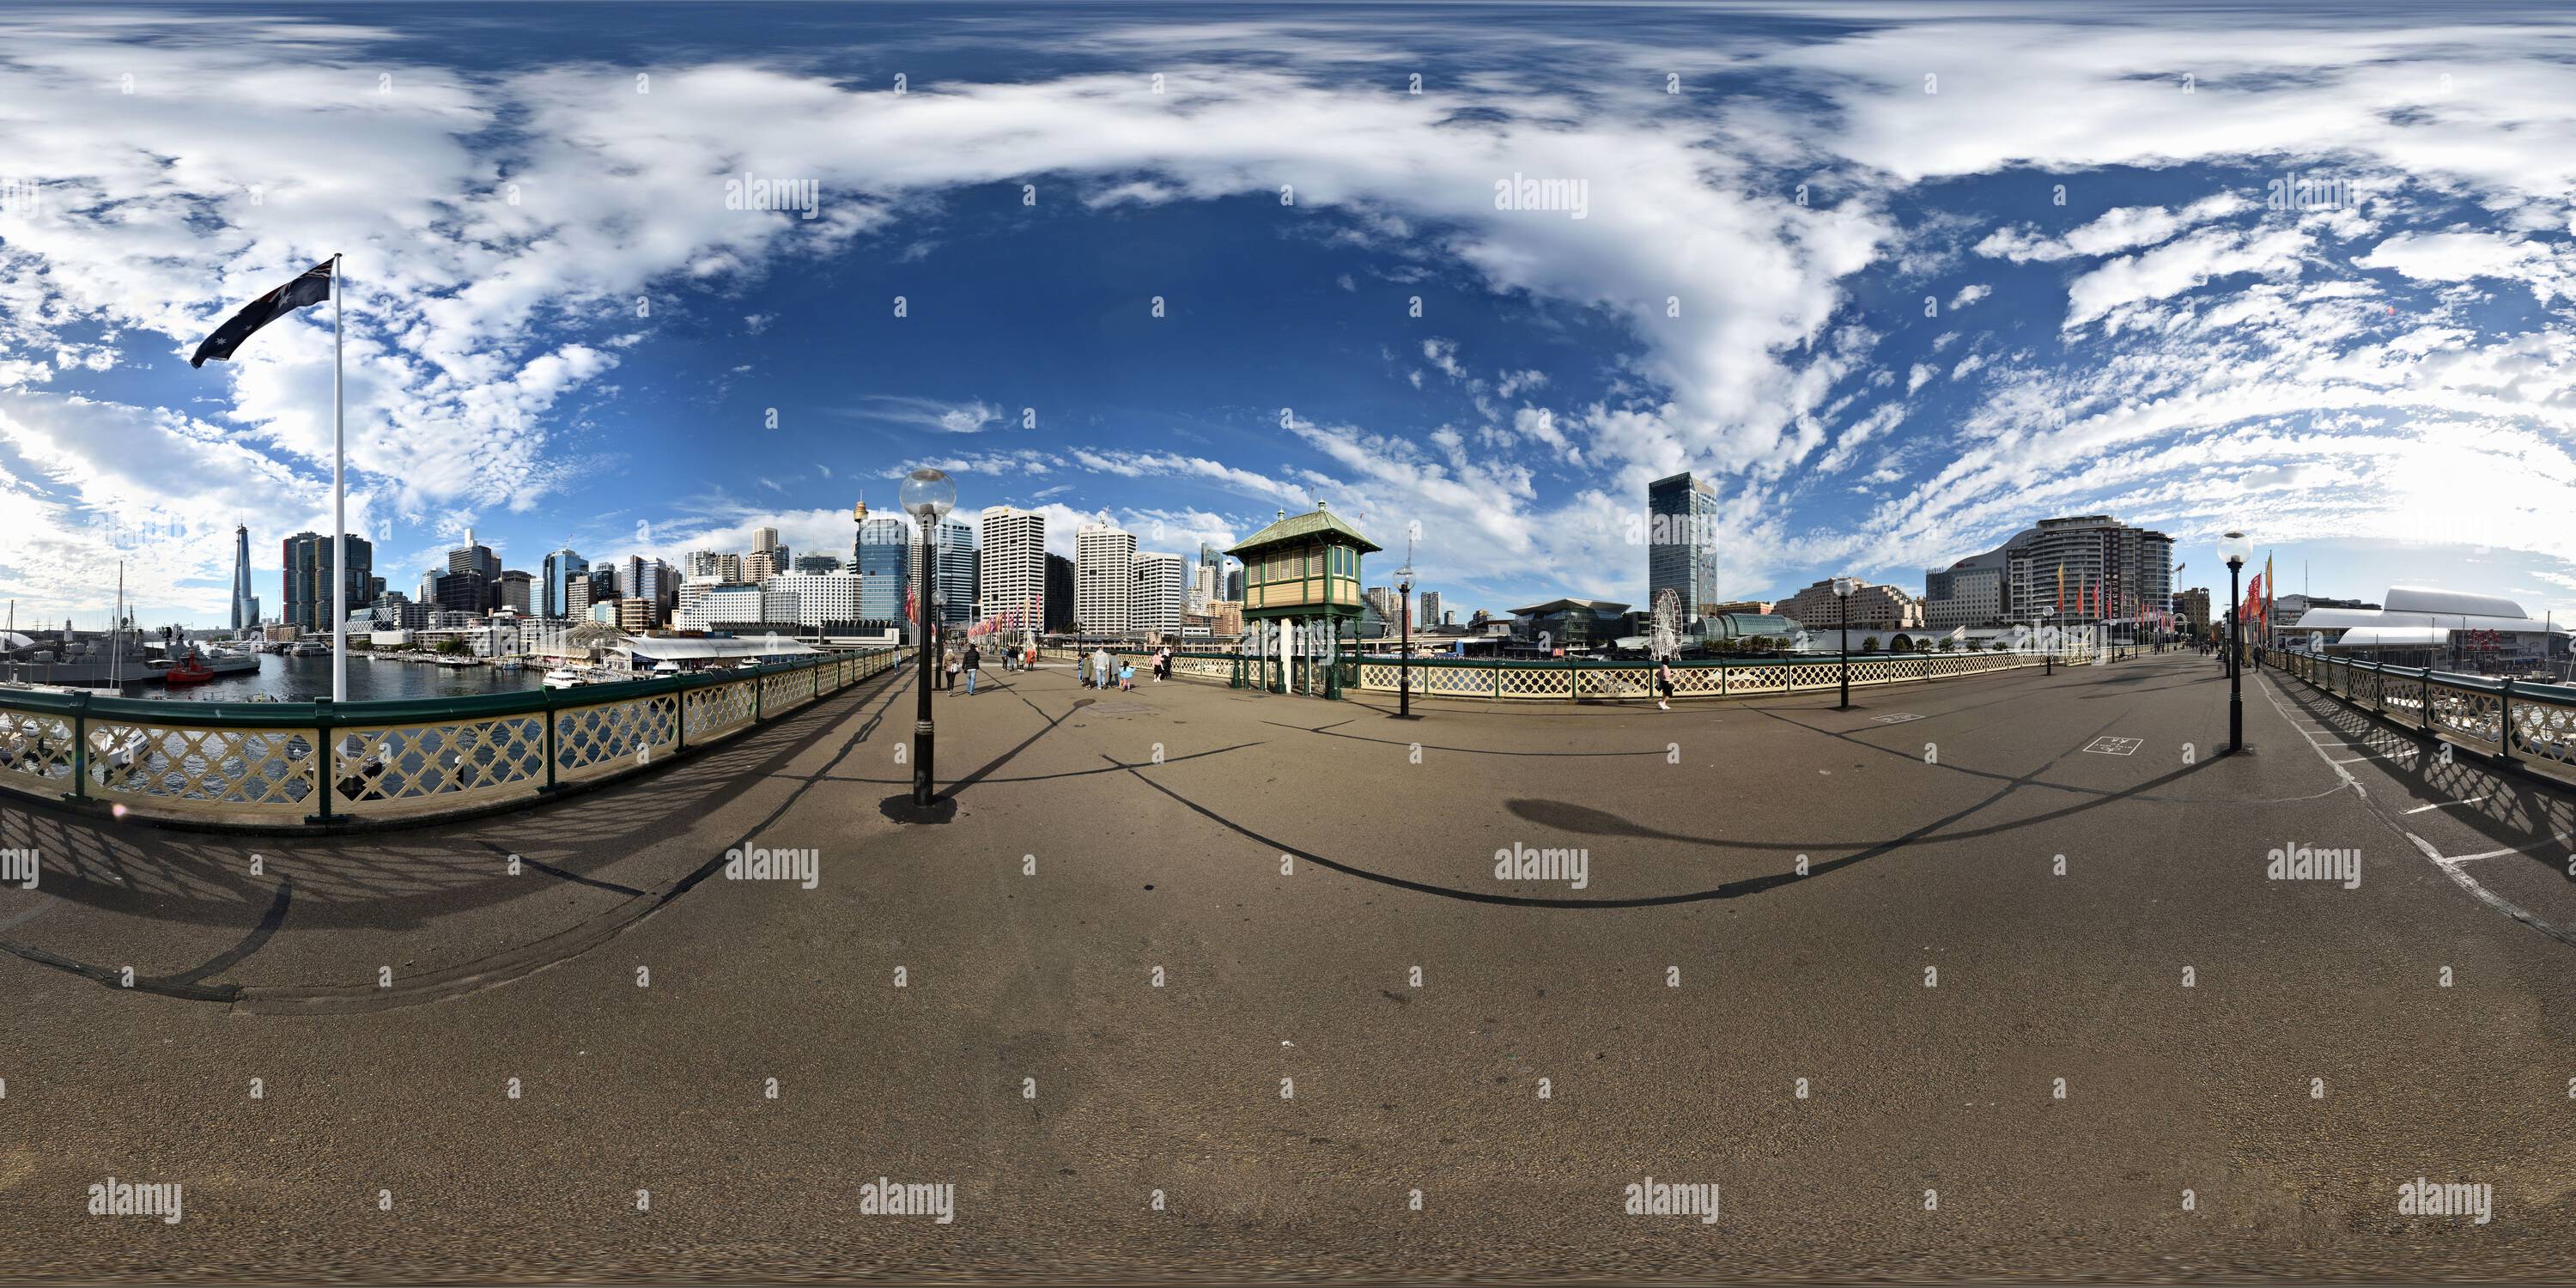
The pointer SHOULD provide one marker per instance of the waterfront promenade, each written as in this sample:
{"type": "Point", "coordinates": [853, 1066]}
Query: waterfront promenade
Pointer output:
{"type": "Point", "coordinates": [1287, 864]}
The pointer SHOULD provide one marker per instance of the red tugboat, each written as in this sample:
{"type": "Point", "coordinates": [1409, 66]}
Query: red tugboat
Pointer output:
{"type": "Point", "coordinates": [190, 670]}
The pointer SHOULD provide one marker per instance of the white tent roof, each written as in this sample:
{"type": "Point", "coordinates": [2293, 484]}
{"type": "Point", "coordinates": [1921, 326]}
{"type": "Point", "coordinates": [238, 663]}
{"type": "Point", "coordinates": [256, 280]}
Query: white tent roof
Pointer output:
{"type": "Point", "coordinates": [2426, 599]}
{"type": "Point", "coordinates": [2330, 619]}
{"type": "Point", "coordinates": [2389, 637]}
{"type": "Point", "coordinates": [693, 649]}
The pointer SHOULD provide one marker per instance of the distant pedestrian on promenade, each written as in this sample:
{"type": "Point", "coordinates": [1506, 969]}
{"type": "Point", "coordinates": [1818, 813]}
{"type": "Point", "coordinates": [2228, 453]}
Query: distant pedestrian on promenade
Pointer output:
{"type": "Point", "coordinates": [1163, 664]}
{"type": "Point", "coordinates": [1664, 686]}
{"type": "Point", "coordinates": [974, 658]}
{"type": "Point", "coordinates": [948, 668]}
{"type": "Point", "coordinates": [1101, 675]}
{"type": "Point", "coordinates": [1126, 676]}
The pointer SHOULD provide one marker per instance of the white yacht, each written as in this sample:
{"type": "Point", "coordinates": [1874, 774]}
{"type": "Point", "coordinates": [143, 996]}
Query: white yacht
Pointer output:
{"type": "Point", "coordinates": [563, 677]}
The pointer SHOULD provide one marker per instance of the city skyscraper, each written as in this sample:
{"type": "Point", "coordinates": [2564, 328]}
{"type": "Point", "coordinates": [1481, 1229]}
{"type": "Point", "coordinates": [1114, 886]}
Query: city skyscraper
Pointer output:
{"type": "Point", "coordinates": [960, 581]}
{"type": "Point", "coordinates": [245, 604]}
{"type": "Point", "coordinates": [1104, 578]}
{"type": "Point", "coordinates": [1426, 609]}
{"type": "Point", "coordinates": [1059, 593]}
{"type": "Point", "coordinates": [306, 568]}
{"type": "Point", "coordinates": [768, 557]}
{"type": "Point", "coordinates": [554, 594]}
{"type": "Point", "coordinates": [473, 583]}
{"type": "Point", "coordinates": [1155, 608]}
{"type": "Point", "coordinates": [884, 561]}
{"type": "Point", "coordinates": [1011, 569]}
{"type": "Point", "coordinates": [1680, 512]}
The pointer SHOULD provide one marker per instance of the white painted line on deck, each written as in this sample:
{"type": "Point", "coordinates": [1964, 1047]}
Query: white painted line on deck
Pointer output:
{"type": "Point", "coordinates": [43, 905]}
{"type": "Point", "coordinates": [2446, 804]}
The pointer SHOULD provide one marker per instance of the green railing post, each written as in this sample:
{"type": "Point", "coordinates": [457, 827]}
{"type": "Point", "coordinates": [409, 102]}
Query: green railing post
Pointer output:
{"type": "Point", "coordinates": [548, 699]}
{"type": "Point", "coordinates": [2504, 721]}
{"type": "Point", "coordinates": [759, 681]}
{"type": "Point", "coordinates": [679, 716]}
{"type": "Point", "coordinates": [80, 750]}
{"type": "Point", "coordinates": [326, 769]}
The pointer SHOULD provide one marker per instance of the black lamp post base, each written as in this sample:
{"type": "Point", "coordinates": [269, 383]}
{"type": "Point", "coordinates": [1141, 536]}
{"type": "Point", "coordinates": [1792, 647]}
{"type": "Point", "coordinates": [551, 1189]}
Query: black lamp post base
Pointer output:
{"type": "Point", "coordinates": [902, 809]}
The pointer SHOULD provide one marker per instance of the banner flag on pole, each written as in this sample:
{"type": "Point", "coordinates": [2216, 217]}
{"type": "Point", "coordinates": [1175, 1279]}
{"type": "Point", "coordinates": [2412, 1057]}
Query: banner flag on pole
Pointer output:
{"type": "Point", "coordinates": [313, 287]}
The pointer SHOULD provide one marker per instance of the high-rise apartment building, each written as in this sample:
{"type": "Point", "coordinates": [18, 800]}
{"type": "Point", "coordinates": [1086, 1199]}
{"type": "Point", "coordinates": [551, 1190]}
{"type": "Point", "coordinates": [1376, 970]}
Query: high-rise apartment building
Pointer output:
{"type": "Point", "coordinates": [1011, 569]}
{"type": "Point", "coordinates": [1156, 606]}
{"type": "Point", "coordinates": [245, 604]}
{"type": "Point", "coordinates": [1426, 611]}
{"type": "Point", "coordinates": [1104, 574]}
{"type": "Point", "coordinates": [1681, 516]}
{"type": "Point", "coordinates": [514, 590]}
{"type": "Point", "coordinates": [1381, 600]}
{"type": "Point", "coordinates": [1872, 607]}
{"type": "Point", "coordinates": [306, 567]}
{"type": "Point", "coordinates": [2070, 571]}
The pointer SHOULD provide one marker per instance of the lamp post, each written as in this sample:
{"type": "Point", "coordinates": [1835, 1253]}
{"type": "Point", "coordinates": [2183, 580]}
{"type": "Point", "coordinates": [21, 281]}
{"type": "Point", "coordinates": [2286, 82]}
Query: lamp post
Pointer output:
{"type": "Point", "coordinates": [2235, 549]}
{"type": "Point", "coordinates": [926, 496]}
{"type": "Point", "coordinates": [1404, 650]}
{"type": "Point", "coordinates": [2047, 654]}
{"type": "Point", "coordinates": [1844, 587]}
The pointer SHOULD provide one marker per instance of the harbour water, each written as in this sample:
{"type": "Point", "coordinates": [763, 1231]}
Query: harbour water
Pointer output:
{"type": "Point", "coordinates": [302, 679]}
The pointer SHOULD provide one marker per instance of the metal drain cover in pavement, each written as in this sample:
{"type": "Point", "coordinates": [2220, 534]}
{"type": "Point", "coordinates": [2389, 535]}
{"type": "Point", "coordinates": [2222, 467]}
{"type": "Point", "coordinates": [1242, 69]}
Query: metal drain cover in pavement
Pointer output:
{"type": "Point", "coordinates": [2115, 746]}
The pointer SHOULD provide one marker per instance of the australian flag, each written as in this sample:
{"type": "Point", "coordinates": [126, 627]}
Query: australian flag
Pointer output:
{"type": "Point", "coordinates": [310, 289]}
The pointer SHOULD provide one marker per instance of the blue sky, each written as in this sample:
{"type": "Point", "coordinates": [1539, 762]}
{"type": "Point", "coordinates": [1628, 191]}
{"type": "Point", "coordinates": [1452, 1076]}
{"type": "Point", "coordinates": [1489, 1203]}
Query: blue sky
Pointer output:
{"type": "Point", "coordinates": [1899, 279]}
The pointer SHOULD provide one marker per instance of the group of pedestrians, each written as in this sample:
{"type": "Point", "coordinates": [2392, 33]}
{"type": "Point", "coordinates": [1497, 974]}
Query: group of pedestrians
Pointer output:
{"type": "Point", "coordinates": [1100, 671]}
{"type": "Point", "coordinates": [969, 662]}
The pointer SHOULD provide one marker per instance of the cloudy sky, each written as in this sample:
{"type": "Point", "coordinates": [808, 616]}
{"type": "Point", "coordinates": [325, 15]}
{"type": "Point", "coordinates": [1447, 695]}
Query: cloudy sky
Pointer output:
{"type": "Point", "coordinates": [1898, 279]}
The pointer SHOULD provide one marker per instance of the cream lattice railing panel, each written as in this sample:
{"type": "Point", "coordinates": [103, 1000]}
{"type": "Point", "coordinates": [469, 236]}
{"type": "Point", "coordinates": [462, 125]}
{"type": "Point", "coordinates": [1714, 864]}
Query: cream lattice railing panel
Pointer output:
{"type": "Point", "coordinates": [36, 752]}
{"type": "Point", "coordinates": [389, 771]}
{"type": "Point", "coordinates": [180, 771]}
{"type": "Point", "coordinates": [613, 736]}
{"type": "Point", "coordinates": [717, 710]}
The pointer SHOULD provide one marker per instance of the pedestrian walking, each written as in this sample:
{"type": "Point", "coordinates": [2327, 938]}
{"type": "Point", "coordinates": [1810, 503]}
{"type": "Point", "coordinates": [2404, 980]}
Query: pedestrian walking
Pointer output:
{"type": "Point", "coordinates": [948, 666]}
{"type": "Point", "coordinates": [973, 659]}
{"type": "Point", "coordinates": [1664, 686]}
{"type": "Point", "coordinates": [1163, 664]}
{"type": "Point", "coordinates": [1126, 676]}
{"type": "Point", "coordinates": [1100, 664]}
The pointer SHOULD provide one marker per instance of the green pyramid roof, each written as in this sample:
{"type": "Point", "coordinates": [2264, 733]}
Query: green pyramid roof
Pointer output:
{"type": "Point", "coordinates": [1318, 522]}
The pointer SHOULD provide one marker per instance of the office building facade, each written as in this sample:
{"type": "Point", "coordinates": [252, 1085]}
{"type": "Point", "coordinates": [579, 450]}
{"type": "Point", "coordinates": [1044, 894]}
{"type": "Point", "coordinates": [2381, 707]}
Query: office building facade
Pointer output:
{"type": "Point", "coordinates": [1011, 567]}
{"type": "Point", "coordinates": [1681, 513]}
{"type": "Point", "coordinates": [306, 579]}
{"type": "Point", "coordinates": [1104, 574]}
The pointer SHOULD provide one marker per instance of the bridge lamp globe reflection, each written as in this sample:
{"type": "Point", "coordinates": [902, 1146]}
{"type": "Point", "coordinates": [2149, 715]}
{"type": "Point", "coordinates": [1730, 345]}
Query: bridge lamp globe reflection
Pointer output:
{"type": "Point", "coordinates": [927, 495]}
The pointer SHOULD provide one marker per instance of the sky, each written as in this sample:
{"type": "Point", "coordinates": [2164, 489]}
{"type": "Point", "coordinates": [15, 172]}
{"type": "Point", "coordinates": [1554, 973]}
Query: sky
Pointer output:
{"type": "Point", "coordinates": [1898, 280]}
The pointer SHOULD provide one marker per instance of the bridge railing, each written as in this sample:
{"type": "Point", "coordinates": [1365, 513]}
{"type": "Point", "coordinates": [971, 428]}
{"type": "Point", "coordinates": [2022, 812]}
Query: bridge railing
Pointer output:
{"type": "Point", "coordinates": [291, 764]}
{"type": "Point", "coordinates": [2526, 722]}
{"type": "Point", "coordinates": [1571, 680]}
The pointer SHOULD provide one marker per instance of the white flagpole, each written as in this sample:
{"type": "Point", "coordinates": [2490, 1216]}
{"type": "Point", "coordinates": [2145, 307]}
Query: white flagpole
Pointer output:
{"type": "Point", "coordinates": [339, 512]}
